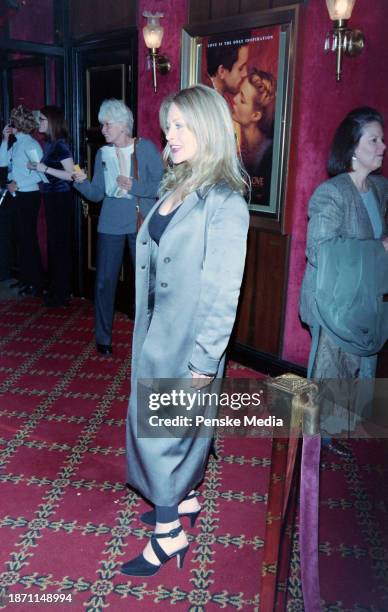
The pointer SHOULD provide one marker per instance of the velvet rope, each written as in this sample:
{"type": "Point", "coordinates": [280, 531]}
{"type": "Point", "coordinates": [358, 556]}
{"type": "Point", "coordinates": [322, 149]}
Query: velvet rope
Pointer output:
{"type": "Point", "coordinates": [309, 511]}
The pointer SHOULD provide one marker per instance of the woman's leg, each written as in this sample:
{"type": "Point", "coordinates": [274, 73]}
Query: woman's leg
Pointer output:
{"type": "Point", "coordinates": [59, 219]}
{"type": "Point", "coordinates": [188, 507]}
{"type": "Point", "coordinates": [31, 272]}
{"type": "Point", "coordinates": [132, 248]}
{"type": "Point", "coordinates": [337, 371]}
{"type": "Point", "coordinates": [167, 519]}
{"type": "Point", "coordinates": [6, 237]}
{"type": "Point", "coordinates": [166, 514]}
{"type": "Point", "coordinates": [110, 248]}
{"type": "Point", "coordinates": [190, 504]}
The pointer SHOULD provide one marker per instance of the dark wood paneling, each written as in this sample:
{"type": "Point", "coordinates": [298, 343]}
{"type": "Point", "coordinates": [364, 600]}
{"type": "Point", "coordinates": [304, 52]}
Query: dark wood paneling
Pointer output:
{"type": "Point", "coordinates": [261, 305]}
{"type": "Point", "coordinates": [226, 8]}
{"type": "Point", "coordinates": [97, 16]}
{"type": "Point", "coordinates": [271, 365]}
{"type": "Point", "coordinates": [202, 11]}
{"type": "Point", "coordinates": [199, 11]}
{"type": "Point", "coordinates": [277, 3]}
{"type": "Point", "coordinates": [248, 6]}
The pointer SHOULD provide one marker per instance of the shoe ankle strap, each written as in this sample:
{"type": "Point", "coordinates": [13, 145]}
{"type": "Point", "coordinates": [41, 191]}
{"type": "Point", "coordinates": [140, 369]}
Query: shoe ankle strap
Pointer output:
{"type": "Point", "coordinates": [191, 496]}
{"type": "Point", "coordinates": [169, 534]}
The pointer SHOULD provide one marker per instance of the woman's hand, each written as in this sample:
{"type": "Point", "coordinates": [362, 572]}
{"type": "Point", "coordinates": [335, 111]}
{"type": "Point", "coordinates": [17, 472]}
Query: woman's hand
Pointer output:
{"type": "Point", "coordinates": [79, 177]}
{"type": "Point", "coordinates": [200, 380]}
{"type": "Point", "coordinates": [37, 166]}
{"type": "Point", "coordinates": [385, 242]}
{"type": "Point", "coordinates": [7, 131]}
{"type": "Point", "coordinates": [124, 182]}
{"type": "Point", "coordinates": [12, 187]}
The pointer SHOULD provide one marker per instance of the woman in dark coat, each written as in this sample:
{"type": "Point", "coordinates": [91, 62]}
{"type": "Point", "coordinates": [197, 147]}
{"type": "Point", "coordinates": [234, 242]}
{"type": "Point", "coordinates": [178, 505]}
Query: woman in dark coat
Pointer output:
{"type": "Point", "coordinates": [57, 164]}
{"type": "Point", "coordinates": [189, 266]}
{"type": "Point", "coordinates": [350, 205]}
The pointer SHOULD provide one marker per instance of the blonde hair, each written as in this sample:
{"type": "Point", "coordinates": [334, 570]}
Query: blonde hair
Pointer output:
{"type": "Point", "coordinates": [208, 117]}
{"type": "Point", "coordinates": [23, 120]}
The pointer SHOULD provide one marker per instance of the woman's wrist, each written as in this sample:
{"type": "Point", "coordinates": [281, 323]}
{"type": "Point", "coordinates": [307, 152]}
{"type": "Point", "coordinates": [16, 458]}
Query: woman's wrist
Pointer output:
{"type": "Point", "coordinates": [196, 371]}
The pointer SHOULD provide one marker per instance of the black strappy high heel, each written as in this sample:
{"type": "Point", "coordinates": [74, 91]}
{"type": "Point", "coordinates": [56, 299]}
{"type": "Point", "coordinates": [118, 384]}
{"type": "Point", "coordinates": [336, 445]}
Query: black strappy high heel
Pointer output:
{"type": "Point", "coordinates": [139, 566]}
{"type": "Point", "coordinates": [149, 518]}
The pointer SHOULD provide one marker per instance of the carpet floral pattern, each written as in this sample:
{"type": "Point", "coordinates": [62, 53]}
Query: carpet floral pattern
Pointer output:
{"type": "Point", "coordinates": [67, 520]}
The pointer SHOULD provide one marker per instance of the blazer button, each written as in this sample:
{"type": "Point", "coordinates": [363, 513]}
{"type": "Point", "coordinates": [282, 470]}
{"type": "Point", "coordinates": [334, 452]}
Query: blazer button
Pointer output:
{"type": "Point", "coordinates": [167, 260]}
{"type": "Point", "coordinates": [143, 267]}
{"type": "Point", "coordinates": [144, 242]}
{"type": "Point", "coordinates": [164, 285]}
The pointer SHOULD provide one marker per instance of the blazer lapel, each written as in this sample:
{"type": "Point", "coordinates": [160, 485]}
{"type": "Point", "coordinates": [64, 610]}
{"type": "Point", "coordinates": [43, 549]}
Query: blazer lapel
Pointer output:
{"type": "Point", "coordinates": [187, 205]}
{"type": "Point", "coordinates": [360, 213]}
{"type": "Point", "coordinates": [380, 203]}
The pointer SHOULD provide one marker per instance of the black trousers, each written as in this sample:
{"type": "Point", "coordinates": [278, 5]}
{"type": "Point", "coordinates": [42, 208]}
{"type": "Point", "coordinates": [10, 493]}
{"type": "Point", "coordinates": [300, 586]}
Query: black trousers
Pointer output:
{"type": "Point", "coordinates": [59, 221]}
{"type": "Point", "coordinates": [110, 250]}
{"type": "Point", "coordinates": [27, 206]}
{"type": "Point", "coordinates": [7, 236]}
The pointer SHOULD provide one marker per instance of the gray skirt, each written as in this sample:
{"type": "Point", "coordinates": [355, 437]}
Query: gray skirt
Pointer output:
{"type": "Point", "coordinates": [169, 463]}
{"type": "Point", "coordinates": [163, 469]}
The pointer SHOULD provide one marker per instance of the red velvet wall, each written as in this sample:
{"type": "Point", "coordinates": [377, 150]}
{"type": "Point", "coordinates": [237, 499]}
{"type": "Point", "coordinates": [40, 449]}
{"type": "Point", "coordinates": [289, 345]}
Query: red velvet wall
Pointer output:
{"type": "Point", "coordinates": [34, 21]}
{"type": "Point", "coordinates": [320, 103]}
{"type": "Point", "coordinates": [175, 12]}
{"type": "Point", "coordinates": [28, 86]}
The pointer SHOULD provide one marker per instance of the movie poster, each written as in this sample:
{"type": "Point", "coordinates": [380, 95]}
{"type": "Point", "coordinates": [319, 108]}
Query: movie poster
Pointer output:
{"type": "Point", "coordinates": [243, 67]}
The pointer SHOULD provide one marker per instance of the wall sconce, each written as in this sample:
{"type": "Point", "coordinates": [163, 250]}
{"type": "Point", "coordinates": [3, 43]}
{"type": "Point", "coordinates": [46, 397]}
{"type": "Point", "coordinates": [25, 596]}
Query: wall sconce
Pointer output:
{"type": "Point", "coordinates": [153, 34]}
{"type": "Point", "coordinates": [342, 39]}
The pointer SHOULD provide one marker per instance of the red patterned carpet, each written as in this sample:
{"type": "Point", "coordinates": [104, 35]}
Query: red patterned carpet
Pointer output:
{"type": "Point", "coordinates": [67, 521]}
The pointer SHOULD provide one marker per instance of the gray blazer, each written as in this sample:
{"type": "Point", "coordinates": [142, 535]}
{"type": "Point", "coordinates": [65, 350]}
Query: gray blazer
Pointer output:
{"type": "Point", "coordinates": [198, 269]}
{"type": "Point", "coordinates": [118, 215]}
{"type": "Point", "coordinates": [336, 210]}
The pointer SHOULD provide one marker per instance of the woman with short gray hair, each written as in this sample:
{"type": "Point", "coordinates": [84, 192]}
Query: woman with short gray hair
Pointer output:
{"type": "Point", "coordinates": [116, 111]}
{"type": "Point", "coordinates": [126, 177]}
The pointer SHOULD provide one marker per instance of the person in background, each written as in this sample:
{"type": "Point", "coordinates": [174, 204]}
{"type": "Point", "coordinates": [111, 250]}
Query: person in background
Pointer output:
{"type": "Point", "coordinates": [189, 268]}
{"type": "Point", "coordinates": [126, 177]}
{"type": "Point", "coordinates": [22, 202]}
{"type": "Point", "coordinates": [57, 165]}
{"type": "Point", "coordinates": [350, 205]}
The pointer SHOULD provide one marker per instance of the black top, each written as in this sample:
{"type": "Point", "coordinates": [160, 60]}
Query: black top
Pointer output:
{"type": "Point", "coordinates": [54, 152]}
{"type": "Point", "coordinates": [158, 224]}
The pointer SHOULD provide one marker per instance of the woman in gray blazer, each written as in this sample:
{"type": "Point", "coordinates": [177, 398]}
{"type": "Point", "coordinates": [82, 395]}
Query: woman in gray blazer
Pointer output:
{"type": "Point", "coordinates": [350, 205]}
{"type": "Point", "coordinates": [126, 177]}
{"type": "Point", "coordinates": [189, 267]}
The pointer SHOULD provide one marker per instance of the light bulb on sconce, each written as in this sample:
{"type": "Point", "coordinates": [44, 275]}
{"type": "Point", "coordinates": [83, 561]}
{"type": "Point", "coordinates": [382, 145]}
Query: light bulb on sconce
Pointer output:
{"type": "Point", "coordinates": [342, 39]}
{"type": "Point", "coordinates": [153, 35]}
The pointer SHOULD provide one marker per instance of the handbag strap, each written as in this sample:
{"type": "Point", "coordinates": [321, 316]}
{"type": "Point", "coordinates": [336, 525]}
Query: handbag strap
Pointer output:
{"type": "Point", "coordinates": [135, 164]}
{"type": "Point", "coordinates": [139, 216]}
